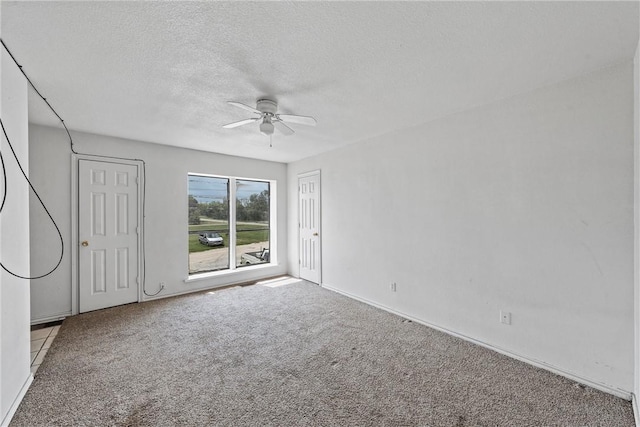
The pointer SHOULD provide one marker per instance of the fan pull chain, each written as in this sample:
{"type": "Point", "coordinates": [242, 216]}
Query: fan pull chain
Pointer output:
{"type": "Point", "coordinates": [270, 141]}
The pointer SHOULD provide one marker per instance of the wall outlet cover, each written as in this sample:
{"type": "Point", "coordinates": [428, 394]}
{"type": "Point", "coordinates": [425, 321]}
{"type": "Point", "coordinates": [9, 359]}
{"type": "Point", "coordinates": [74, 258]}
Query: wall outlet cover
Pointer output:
{"type": "Point", "coordinates": [505, 317]}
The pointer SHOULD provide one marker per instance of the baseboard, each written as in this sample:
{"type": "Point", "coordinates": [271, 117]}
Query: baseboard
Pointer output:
{"type": "Point", "coordinates": [636, 409]}
{"type": "Point", "coordinates": [539, 364]}
{"type": "Point", "coordinates": [240, 282]}
{"type": "Point", "coordinates": [51, 318]}
{"type": "Point", "coordinates": [16, 402]}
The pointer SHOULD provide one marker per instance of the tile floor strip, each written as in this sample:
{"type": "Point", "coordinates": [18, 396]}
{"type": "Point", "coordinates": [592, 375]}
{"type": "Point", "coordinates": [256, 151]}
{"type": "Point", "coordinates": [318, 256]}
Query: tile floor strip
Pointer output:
{"type": "Point", "coordinates": [41, 340]}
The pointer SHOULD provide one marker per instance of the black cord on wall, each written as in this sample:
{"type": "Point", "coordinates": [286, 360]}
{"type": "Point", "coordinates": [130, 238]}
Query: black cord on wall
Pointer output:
{"type": "Point", "coordinates": [4, 199]}
{"type": "Point", "coordinates": [72, 148]}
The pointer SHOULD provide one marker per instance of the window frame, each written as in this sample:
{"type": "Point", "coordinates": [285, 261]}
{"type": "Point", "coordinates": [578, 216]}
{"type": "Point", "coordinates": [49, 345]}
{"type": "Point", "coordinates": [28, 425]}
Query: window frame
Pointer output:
{"type": "Point", "coordinates": [235, 218]}
{"type": "Point", "coordinates": [231, 193]}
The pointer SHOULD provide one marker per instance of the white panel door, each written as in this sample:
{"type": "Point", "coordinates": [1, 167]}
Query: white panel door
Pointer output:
{"type": "Point", "coordinates": [309, 217]}
{"type": "Point", "coordinates": [108, 234]}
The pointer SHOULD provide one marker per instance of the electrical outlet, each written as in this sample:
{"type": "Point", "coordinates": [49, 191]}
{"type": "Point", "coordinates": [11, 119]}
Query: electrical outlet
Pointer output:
{"type": "Point", "coordinates": [505, 317]}
{"type": "Point", "coordinates": [393, 287]}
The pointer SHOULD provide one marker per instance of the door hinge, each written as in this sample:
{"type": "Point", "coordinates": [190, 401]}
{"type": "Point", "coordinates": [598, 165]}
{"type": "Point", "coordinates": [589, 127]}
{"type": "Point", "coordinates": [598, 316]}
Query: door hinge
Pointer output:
{"type": "Point", "coordinates": [137, 180]}
{"type": "Point", "coordinates": [138, 280]}
{"type": "Point", "coordinates": [137, 230]}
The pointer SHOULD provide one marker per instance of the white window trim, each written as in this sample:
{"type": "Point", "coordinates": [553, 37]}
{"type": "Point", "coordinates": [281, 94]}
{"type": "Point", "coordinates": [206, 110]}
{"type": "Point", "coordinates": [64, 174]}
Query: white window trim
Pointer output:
{"type": "Point", "coordinates": [273, 231]}
{"type": "Point", "coordinates": [232, 224]}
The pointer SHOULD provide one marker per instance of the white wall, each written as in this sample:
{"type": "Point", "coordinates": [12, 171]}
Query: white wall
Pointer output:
{"type": "Point", "coordinates": [523, 205]}
{"type": "Point", "coordinates": [15, 374]}
{"type": "Point", "coordinates": [636, 192]}
{"type": "Point", "coordinates": [166, 212]}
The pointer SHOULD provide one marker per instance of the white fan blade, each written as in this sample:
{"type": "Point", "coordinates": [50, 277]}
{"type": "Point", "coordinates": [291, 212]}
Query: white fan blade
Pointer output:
{"type": "Point", "coordinates": [303, 120]}
{"type": "Point", "coordinates": [282, 127]}
{"type": "Point", "coordinates": [245, 107]}
{"type": "Point", "coordinates": [240, 123]}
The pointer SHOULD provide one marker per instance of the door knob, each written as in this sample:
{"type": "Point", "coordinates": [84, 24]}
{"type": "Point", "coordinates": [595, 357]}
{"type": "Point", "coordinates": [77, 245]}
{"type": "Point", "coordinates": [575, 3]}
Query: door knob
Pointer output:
{"type": "Point", "coordinates": [315, 234]}
{"type": "Point", "coordinates": [85, 243]}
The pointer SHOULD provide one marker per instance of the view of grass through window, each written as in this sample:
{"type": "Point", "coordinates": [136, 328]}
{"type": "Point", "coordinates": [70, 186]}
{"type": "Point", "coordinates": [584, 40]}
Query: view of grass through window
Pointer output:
{"type": "Point", "coordinates": [210, 229]}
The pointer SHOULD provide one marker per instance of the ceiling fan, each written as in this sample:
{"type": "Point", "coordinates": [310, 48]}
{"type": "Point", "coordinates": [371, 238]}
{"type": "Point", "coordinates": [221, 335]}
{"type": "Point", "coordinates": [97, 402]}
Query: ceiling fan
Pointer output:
{"type": "Point", "coordinates": [269, 119]}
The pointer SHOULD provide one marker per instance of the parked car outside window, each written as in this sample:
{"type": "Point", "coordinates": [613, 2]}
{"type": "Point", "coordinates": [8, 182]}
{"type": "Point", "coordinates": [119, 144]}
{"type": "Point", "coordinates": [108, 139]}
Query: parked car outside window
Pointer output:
{"type": "Point", "coordinates": [210, 239]}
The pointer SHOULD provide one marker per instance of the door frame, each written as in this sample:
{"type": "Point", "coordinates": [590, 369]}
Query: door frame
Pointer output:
{"type": "Point", "coordinates": [75, 223]}
{"type": "Point", "coordinates": [305, 175]}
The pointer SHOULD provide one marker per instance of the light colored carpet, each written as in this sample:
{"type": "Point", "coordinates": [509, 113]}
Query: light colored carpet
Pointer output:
{"type": "Point", "coordinates": [287, 356]}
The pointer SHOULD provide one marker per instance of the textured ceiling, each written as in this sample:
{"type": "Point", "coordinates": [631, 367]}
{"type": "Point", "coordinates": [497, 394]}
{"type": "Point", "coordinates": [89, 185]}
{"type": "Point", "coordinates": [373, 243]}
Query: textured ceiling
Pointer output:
{"type": "Point", "coordinates": [162, 71]}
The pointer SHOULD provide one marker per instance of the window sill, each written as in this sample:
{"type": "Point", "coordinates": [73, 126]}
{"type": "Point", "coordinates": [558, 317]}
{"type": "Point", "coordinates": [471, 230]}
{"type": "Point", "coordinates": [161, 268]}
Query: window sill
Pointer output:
{"type": "Point", "coordinates": [226, 273]}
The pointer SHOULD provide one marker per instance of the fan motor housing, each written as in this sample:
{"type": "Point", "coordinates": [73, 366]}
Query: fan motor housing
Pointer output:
{"type": "Point", "coordinates": [267, 106]}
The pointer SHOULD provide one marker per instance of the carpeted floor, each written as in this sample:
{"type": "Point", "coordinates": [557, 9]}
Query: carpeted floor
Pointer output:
{"type": "Point", "coordinates": [287, 356]}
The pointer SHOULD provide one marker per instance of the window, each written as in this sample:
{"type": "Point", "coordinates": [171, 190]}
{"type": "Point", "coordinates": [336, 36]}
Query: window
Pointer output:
{"type": "Point", "coordinates": [252, 222]}
{"type": "Point", "coordinates": [208, 223]}
{"type": "Point", "coordinates": [219, 231]}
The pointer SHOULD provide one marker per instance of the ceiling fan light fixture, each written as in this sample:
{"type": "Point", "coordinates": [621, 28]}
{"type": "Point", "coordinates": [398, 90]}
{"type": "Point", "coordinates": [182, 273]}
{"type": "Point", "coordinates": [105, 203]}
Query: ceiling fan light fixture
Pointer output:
{"type": "Point", "coordinates": [266, 127]}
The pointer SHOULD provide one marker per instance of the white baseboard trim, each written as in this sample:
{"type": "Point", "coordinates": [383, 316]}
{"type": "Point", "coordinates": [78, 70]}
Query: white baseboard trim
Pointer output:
{"type": "Point", "coordinates": [636, 409]}
{"type": "Point", "coordinates": [540, 364]}
{"type": "Point", "coordinates": [239, 282]}
{"type": "Point", "coordinates": [51, 318]}
{"type": "Point", "coordinates": [16, 402]}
